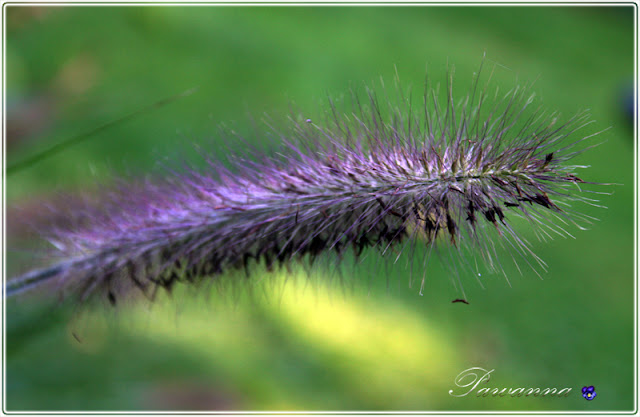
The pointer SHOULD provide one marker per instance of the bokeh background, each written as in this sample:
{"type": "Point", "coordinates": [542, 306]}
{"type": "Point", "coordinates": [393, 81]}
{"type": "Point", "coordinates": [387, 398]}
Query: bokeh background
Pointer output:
{"type": "Point", "coordinates": [363, 340]}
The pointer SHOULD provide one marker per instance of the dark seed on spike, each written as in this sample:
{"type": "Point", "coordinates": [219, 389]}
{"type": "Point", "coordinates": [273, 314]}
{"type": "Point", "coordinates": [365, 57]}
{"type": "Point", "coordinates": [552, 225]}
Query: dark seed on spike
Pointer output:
{"type": "Point", "coordinates": [451, 227]}
{"type": "Point", "coordinates": [471, 217]}
{"type": "Point", "coordinates": [112, 298]}
{"type": "Point", "coordinates": [499, 212]}
{"type": "Point", "coordinates": [490, 215]}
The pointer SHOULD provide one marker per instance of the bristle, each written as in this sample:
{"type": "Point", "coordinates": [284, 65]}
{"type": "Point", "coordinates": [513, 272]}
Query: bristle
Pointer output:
{"type": "Point", "coordinates": [361, 180]}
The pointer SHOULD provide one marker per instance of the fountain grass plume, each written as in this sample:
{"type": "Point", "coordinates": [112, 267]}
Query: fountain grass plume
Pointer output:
{"type": "Point", "coordinates": [451, 173]}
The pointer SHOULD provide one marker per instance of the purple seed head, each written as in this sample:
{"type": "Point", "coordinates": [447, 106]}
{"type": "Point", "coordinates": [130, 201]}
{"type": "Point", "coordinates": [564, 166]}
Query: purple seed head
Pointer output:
{"type": "Point", "coordinates": [452, 173]}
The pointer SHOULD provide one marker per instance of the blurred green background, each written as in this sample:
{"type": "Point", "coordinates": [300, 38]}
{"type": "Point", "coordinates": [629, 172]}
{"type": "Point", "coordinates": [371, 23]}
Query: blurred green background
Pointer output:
{"type": "Point", "coordinates": [366, 341]}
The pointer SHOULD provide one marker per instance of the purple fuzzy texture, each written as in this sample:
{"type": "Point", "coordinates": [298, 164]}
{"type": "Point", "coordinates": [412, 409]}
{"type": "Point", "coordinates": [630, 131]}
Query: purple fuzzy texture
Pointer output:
{"type": "Point", "coordinates": [450, 174]}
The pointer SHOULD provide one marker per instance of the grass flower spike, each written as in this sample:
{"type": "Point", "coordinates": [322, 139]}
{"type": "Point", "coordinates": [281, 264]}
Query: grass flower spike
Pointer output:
{"type": "Point", "coordinates": [452, 173]}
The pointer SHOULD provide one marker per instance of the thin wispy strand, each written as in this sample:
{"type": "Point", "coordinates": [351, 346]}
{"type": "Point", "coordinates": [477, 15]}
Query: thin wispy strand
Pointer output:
{"type": "Point", "coordinates": [449, 173]}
